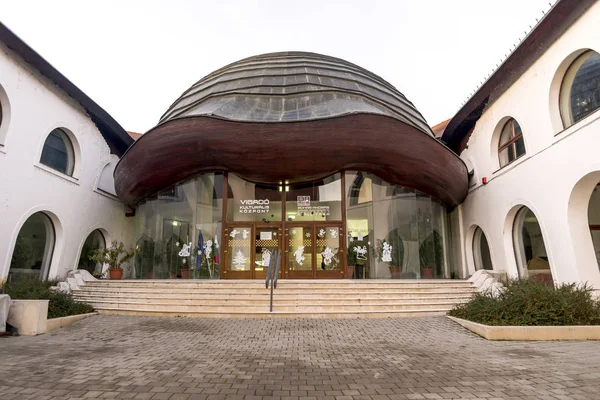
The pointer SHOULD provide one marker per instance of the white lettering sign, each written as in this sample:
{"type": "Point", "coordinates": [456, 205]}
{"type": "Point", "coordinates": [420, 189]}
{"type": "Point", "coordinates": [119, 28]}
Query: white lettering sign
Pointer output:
{"type": "Point", "coordinates": [260, 206]}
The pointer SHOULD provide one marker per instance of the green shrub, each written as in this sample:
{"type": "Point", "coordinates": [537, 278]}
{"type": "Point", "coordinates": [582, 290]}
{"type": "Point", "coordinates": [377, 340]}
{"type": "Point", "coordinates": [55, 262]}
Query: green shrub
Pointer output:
{"type": "Point", "coordinates": [529, 302]}
{"type": "Point", "coordinates": [60, 304]}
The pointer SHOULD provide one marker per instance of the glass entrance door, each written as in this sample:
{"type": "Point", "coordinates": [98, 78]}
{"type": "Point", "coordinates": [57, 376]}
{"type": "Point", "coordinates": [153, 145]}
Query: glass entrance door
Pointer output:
{"type": "Point", "coordinates": [329, 251]}
{"type": "Point", "coordinates": [238, 252]}
{"type": "Point", "coordinates": [249, 249]}
{"type": "Point", "coordinates": [314, 250]}
{"type": "Point", "coordinates": [300, 260]}
{"type": "Point", "coordinates": [267, 241]}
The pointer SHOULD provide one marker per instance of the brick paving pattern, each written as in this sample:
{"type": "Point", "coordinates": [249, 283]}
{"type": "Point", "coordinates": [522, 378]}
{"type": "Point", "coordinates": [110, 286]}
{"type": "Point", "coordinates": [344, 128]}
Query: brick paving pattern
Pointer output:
{"type": "Point", "coordinates": [118, 357]}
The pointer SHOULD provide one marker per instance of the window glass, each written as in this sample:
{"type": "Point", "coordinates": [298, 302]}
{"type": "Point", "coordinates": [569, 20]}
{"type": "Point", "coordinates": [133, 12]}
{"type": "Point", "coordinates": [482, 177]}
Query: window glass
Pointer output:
{"type": "Point", "coordinates": [530, 249]}
{"type": "Point", "coordinates": [481, 251]}
{"type": "Point", "coordinates": [94, 241]}
{"type": "Point", "coordinates": [511, 145]}
{"type": "Point", "coordinates": [33, 249]}
{"type": "Point", "coordinates": [399, 234]}
{"type": "Point", "coordinates": [179, 231]}
{"type": "Point", "coordinates": [253, 202]}
{"type": "Point", "coordinates": [58, 152]}
{"type": "Point", "coordinates": [318, 201]}
{"type": "Point", "coordinates": [580, 92]}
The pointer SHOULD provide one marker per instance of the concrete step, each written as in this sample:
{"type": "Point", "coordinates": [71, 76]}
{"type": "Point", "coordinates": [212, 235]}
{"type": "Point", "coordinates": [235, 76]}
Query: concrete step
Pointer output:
{"type": "Point", "coordinates": [341, 284]}
{"type": "Point", "coordinates": [276, 300]}
{"type": "Point", "coordinates": [232, 307]}
{"type": "Point", "coordinates": [315, 299]}
{"type": "Point", "coordinates": [294, 291]}
{"type": "Point", "coordinates": [279, 314]}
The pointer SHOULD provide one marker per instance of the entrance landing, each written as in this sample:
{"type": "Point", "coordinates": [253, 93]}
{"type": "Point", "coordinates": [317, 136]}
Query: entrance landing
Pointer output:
{"type": "Point", "coordinates": [292, 298]}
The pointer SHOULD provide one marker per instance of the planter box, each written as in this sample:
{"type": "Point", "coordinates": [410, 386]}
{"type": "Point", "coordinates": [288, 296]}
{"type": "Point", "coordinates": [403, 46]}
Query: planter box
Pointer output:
{"type": "Point", "coordinates": [583, 332]}
{"type": "Point", "coordinates": [29, 316]}
{"type": "Point", "coordinates": [57, 323]}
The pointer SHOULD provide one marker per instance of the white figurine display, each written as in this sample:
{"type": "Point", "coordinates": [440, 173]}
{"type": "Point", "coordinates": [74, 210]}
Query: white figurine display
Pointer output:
{"type": "Point", "coordinates": [299, 254]}
{"type": "Point", "coordinates": [185, 250]}
{"type": "Point", "coordinates": [245, 234]}
{"type": "Point", "coordinates": [208, 251]}
{"type": "Point", "coordinates": [387, 252]}
{"type": "Point", "coordinates": [321, 233]}
{"type": "Point", "coordinates": [239, 261]}
{"type": "Point", "coordinates": [361, 252]}
{"type": "Point", "coordinates": [233, 233]}
{"type": "Point", "coordinates": [333, 233]}
{"type": "Point", "coordinates": [327, 255]}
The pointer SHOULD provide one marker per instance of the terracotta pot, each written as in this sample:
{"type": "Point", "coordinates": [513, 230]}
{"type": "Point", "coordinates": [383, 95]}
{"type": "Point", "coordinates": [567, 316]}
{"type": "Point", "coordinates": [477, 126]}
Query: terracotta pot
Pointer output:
{"type": "Point", "coordinates": [115, 274]}
{"type": "Point", "coordinates": [396, 272]}
{"type": "Point", "coordinates": [426, 273]}
{"type": "Point", "coordinates": [349, 272]}
{"type": "Point", "coordinates": [185, 273]}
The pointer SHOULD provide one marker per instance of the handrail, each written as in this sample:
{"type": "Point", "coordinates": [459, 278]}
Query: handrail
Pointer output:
{"type": "Point", "coordinates": [277, 269]}
{"type": "Point", "coordinates": [272, 274]}
{"type": "Point", "coordinates": [269, 271]}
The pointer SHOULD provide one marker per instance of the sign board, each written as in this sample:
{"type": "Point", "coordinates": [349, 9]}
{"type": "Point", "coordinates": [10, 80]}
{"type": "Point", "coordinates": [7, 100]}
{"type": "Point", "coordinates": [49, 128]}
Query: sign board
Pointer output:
{"type": "Point", "coordinates": [303, 201]}
{"type": "Point", "coordinates": [266, 236]}
{"type": "Point", "coordinates": [254, 206]}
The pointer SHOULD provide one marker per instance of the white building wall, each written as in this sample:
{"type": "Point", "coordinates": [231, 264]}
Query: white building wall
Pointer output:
{"type": "Point", "coordinates": [75, 205]}
{"type": "Point", "coordinates": [552, 178]}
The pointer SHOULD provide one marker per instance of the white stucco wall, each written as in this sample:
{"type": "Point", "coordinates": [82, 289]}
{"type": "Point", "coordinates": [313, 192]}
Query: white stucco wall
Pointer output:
{"type": "Point", "coordinates": [553, 178]}
{"type": "Point", "coordinates": [35, 107]}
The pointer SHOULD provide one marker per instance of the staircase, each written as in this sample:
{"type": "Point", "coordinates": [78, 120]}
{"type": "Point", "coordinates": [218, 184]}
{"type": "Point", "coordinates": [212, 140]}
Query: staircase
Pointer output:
{"type": "Point", "coordinates": [292, 298]}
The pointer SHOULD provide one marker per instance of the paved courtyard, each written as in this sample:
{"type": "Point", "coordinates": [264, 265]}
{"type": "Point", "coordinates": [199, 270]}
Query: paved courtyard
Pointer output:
{"type": "Point", "coordinates": [179, 358]}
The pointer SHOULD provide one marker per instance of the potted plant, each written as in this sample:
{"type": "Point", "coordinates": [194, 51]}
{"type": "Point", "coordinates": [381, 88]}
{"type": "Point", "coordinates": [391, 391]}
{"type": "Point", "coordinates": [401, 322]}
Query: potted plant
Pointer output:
{"type": "Point", "coordinates": [391, 251]}
{"type": "Point", "coordinates": [431, 255]}
{"type": "Point", "coordinates": [115, 256]}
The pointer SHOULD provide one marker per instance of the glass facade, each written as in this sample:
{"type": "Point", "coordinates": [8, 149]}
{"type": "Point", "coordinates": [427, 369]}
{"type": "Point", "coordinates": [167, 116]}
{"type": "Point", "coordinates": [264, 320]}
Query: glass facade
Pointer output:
{"type": "Point", "coordinates": [393, 232]}
{"type": "Point", "coordinates": [348, 225]}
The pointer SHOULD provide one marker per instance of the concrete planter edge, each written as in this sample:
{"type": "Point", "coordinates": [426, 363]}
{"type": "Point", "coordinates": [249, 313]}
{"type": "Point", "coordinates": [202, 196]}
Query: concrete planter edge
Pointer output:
{"type": "Point", "coordinates": [531, 333]}
{"type": "Point", "coordinates": [61, 322]}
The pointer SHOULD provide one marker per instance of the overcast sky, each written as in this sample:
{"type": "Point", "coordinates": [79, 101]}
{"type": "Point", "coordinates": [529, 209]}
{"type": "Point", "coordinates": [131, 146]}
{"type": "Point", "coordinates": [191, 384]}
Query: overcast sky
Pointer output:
{"type": "Point", "coordinates": [134, 58]}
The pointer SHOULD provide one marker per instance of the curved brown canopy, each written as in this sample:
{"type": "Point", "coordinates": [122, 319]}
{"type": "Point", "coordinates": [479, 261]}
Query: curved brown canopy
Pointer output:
{"type": "Point", "coordinates": [291, 117]}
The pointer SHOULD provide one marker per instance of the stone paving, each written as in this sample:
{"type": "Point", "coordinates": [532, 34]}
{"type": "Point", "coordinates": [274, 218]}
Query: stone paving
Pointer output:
{"type": "Point", "coordinates": [119, 357]}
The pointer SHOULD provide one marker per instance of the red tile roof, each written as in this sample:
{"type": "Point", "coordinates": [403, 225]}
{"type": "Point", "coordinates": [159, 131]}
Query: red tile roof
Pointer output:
{"type": "Point", "coordinates": [438, 129]}
{"type": "Point", "coordinates": [134, 135]}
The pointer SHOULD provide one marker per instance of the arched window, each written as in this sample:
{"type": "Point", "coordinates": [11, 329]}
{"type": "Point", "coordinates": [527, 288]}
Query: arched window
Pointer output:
{"type": "Point", "coordinates": [94, 241]}
{"type": "Point", "coordinates": [481, 251]}
{"type": "Point", "coordinates": [58, 152]}
{"type": "Point", "coordinates": [511, 145]}
{"type": "Point", "coordinates": [580, 90]}
{"type": "Point", "coordinates": [530, 250]}
{"type": "Point", "coordinates": [33, 249]}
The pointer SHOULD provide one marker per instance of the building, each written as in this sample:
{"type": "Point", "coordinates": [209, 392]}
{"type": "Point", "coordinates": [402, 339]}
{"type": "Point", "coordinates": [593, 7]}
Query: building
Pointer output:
{"type": "Point", "coordinates": [319, 158]}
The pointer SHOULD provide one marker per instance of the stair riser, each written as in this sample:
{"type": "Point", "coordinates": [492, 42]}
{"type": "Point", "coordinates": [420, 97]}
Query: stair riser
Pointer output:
{"type": "Point", "coordinates": [303, 302]}
{"type": "Point", "coordinates": [276, 295]}
{"type": "Point", "coordinates": [316, 292]}
{"type": "Point", "coordinates": [259, 308]}
{"type": "Point", "coordinates": [185, 285]}
{"type": "Point", "coordinates": [400, 314]}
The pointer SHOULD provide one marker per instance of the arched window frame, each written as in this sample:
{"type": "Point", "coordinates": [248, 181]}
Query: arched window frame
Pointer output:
{"type": "Point", "coordinates": [564, 98]}
{"type": "Point", "coordinates": [511, 144]}
{"type": "Point", "coordinates": [4, 117]}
